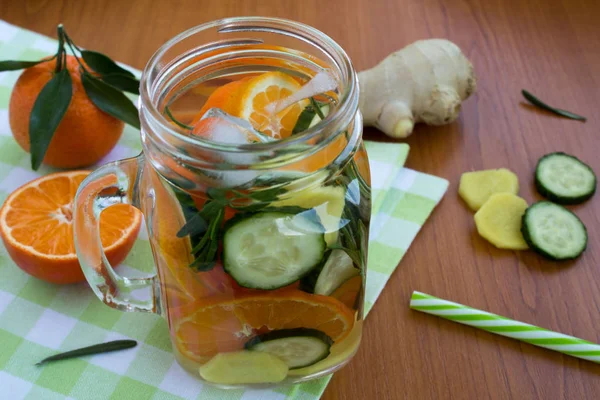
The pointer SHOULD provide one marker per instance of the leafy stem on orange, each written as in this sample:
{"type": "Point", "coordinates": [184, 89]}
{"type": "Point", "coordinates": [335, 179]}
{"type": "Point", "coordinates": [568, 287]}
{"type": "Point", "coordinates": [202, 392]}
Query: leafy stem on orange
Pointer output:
{"type": "Point", "coordinates": [104, 83]}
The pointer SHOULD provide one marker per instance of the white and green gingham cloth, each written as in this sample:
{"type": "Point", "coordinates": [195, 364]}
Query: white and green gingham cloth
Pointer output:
{"type": "Point", "coordinates": [38, 319]}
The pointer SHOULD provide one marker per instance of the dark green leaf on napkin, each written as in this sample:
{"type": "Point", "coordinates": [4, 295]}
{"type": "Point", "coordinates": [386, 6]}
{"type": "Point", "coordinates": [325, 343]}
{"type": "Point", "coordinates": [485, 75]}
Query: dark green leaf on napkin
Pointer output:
{"type": "Point", "coordinates": [95, 349]}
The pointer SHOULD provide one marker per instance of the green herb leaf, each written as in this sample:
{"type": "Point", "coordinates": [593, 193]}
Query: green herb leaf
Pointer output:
{"type": "Point", "coordinates": [194, 226]}
{"type": "Point", "coordinates": [12, 65]}
{"type": "Point", "coordinates": [122, 82]}
{"type": "Point", "coordinates": [103, 64]}
{"type": "Point", "coordinates": [48, 110]}
{"type": "Point", "coordinates": [95, 349]}
{"type": "Point", "coordinates": [538, 103]}
{"type": "Point", "coordinates": [172, 118]}
{"type": "Point", "coordinates": [110, 100]}
{"type": "Point", "coordinates": [317, 107]}
{"type": "Point", "coordinates": [307, 115]}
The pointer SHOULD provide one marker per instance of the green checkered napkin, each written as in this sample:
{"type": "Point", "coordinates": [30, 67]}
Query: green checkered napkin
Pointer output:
{"type": "Point", "coordinates": [38, 319]}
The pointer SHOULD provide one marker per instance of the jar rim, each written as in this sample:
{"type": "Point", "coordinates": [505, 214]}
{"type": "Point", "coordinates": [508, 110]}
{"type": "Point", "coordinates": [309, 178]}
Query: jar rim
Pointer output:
{"type": "Point", "coordinates": [343, 114]}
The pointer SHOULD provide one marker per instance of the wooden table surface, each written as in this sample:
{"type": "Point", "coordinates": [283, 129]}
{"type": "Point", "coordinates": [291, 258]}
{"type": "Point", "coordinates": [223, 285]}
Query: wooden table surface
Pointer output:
{"type": "Point", "coordinates": [551, 47]}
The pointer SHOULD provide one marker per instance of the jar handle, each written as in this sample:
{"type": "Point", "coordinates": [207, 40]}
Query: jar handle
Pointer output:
{"type": "Point", "coordinates": [113, 183]}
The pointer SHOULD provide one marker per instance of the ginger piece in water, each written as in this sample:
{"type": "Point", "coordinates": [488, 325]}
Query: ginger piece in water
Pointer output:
{"type": "Point", "coordinates": [424, 82]}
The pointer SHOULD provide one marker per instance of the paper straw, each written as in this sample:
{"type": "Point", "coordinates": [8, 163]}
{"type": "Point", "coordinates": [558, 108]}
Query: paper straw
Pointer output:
{"type": "Point", "coordinates": [503, 326]}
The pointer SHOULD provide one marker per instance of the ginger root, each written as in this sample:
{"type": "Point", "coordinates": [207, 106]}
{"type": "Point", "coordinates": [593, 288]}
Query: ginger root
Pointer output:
{"type": "Point", "coordinates": [424, 82]}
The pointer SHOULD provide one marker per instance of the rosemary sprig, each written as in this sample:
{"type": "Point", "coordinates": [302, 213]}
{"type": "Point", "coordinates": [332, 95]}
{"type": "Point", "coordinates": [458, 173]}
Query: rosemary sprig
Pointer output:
{"type": "Point", "coordinates": [563, 113]}
{"type": "Point", "coordinates": [95, 349]}
{"type": "Point", "coordinates": [205, 226]}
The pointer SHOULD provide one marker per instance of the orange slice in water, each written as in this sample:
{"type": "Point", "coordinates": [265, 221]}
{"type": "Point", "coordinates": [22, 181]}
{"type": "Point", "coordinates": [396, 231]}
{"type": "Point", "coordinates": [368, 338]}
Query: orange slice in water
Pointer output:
{"type": "Point", "coordinates": [205, 329]}
{"type": "Point", "coordinates": [225, 97]}
{"type": "Point", "coordinates": [37, 229]}
{"type": "Point", "coordinates": [348, 292]}
{"type": "Point", "coordinates": [248, 97]}
{"type": "Point", "coordinates": [263, 90]}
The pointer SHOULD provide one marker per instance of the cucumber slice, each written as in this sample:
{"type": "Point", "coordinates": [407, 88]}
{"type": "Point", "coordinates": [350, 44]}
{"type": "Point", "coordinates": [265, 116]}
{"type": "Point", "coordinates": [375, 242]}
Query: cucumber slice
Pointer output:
{"type": "Point", "coordinates": [309, 118]}
{"type": "Point", "coordinates": [297, 348]}
{"type": "Point", "coordinates": [270, 250]}
{"type": "Point", "coordinates": [242, 367]}
{"type": "Point", "coordinates": [564, 179]}
{"type": "Point", "coordinates": [553, 231]}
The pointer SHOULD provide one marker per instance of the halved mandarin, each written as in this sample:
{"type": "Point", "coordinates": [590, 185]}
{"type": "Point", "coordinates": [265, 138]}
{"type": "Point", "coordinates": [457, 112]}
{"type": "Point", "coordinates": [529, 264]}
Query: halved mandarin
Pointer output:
{"type": "Point", "coordinates": [37, 228]}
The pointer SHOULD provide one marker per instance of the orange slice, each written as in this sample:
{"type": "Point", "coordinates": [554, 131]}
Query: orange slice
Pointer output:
{"type": "Point", "coordinates": [179, 283]}
{"type": "Point", "coordinates": [348, 292]}
{"type": "Point", "coordinates": [37, 230]}
{"type": "Point", "coordinates": [225, 97]}
{"type": "Point", "coordinates": [248, 97]}
{"type": "Point", "coordinates": [263, 90]}
{"type": "Point", "coordinates": [205, 329]}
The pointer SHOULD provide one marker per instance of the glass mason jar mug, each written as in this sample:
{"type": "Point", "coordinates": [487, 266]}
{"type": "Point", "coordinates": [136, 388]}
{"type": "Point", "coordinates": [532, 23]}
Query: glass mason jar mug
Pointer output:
{"type": "Point", "coordinates": [259, 244]}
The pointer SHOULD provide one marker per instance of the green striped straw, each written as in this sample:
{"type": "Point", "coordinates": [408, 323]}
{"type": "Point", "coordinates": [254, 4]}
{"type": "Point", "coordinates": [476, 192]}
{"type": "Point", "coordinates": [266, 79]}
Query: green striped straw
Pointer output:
{"type": "Point", "coordinates": [503, 326]}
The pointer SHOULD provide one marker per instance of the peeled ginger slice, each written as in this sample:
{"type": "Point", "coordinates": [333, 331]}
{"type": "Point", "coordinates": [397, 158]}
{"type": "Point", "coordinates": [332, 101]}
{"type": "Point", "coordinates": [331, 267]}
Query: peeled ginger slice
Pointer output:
{"type": "Point", "coordinates": [243, 367]}
{"type": "Point", "coordinates": [499, 221]}
{"type": "Point", "coordinates": [476, 187]}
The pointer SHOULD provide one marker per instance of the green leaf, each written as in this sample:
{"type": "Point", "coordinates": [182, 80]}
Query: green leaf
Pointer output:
{"type": "Point", "coordinates": [538, 103]}
{"type": "Point", "coordinates": [12, 65]}
{"type": "Point", "coordinates": [48, 110]}
{"type": "Point", "coordinates": [110, 100]}
{"type": "Point", "coordinates": [307, 115]}
{"type": "Point", "coordinates": [95, 349]}
{"type": "Point", "coordinates": [202, 266]}
{"type": "Point", "coordinates": [194, 226]}
{"type": "Point", "coordinates": [172, 118]}
{"type": "Point", "coordinates": [103, 64]}
{"type": "Point", "coordinates": [317, 107]}
{"type": "Point", "coordinates": [122, 82]}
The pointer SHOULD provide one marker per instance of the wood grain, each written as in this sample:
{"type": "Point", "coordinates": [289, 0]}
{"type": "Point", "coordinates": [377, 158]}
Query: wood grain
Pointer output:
{"type": "Point", "coordinates": [550, 47]}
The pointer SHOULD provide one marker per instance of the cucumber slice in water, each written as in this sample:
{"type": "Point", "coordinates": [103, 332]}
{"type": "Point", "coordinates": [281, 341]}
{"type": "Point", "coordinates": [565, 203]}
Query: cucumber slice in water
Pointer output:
{"type": "Point", "coordinates": [553, 231]}
{"type": "Point", "coordinates": [564, 179]}
{"type": "Point", "coordinates": [297, 348]}
{"type": "Point", "coordinates": [270, 250]}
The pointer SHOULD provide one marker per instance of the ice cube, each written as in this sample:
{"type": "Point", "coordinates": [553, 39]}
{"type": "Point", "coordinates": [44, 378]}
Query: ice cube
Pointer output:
{"type": "Point", "coordinates": [225, 128]}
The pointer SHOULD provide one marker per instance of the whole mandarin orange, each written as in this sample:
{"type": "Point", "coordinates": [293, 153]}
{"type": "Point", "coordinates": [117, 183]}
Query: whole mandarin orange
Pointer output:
{"type": "Point", "coordinates": [85, 134]}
